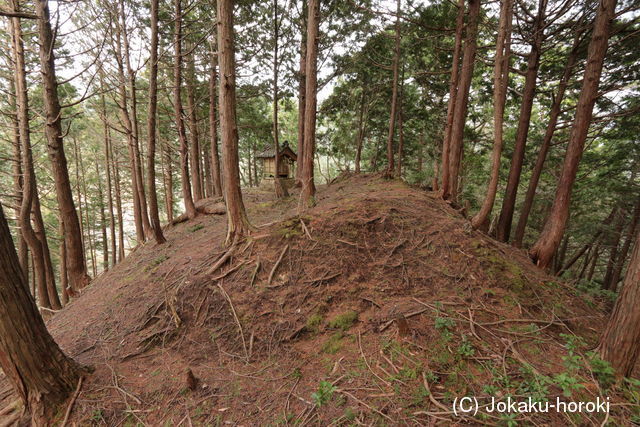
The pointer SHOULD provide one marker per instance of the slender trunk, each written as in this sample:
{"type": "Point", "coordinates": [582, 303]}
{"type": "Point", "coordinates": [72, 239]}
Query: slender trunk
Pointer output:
{"type": "Point", "coordinates": [394, 94]}
{"type": "Point", "coordinates": [456, 143]}
{"type": "Point", "coordinates": [238, 223]}
{"type": "Point", "coordinates": [280, 190]}
{"type": "Point", "coordinates": [594, 262]}
{"type": "Point", "coordinates": [135, 132]}
{"type": "Point", "coordinates": [400, 127]}
{"type": "Point", "coordinates": [546, 143]}
{"type": "Point", "coordinates": [361, 126]}
{"type": "Point", "coordinates": [77, 268]}
{"type": "Point", "coordinates": [549, 239]}
{"type": "Point", "coordinates": [633, 227]}
{"type": "Point", "coordinates": [30, 191]}
{"type": "Point", "coordinates": [208, 183]}
{"type": "Point", "coordinates": [453, 90]}
{"type": "Point", "coordinates": [620, 342]}
{"type": "Point", "coordinates": [213, 126]}
{"type": "Point", "coordinates": [88, 220]}
{"type": "Point", "coordinates": [307, 196]}
{"type": "Point", "coordinates": [168, 180]}
{"type": "Point", "coordinates": [23, 250]}
{"type": "Point", "coordinates": [103, 222]}
{"type": "Point", "coordinates": [187, 197]}
{"type": "Point", "coordinates": [116, 178]}
{"type": "Point", "coordinates": [154, 214]}
{"type": "Point", "coordinates": [41, 374]}
{"type": "Point", "coordinates": [613, 251]}
{"type": "Point", "coordinates": [107, 167]}
{"type": "Point", "coordinates": [128, 126]}
{"type": "Point", "coordinates": [194, 139]}
{"type": "Point", "coordinates": [64, 279]}
{"type": "Point", "coordinates": [50, 278]}
{"type": "Point", "coordinates": [561, 254]}
{"type": "Point", "coordinates": [500, 83]}
{"type": "Point", "coordinates": [302, 89]}
{"type": "Point", "coordinates": [509, 201]}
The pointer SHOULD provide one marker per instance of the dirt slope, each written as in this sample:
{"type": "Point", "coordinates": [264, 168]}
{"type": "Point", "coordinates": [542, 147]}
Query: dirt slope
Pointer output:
{"type": "Point", "coordinates": [383, 307]}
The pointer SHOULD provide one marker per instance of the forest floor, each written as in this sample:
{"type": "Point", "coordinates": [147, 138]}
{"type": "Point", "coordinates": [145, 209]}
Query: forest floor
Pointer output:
{"type": "Point", "coordinates": [379, 306]}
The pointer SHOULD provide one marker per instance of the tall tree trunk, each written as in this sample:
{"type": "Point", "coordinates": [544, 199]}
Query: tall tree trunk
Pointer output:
{"type": "Point", "coordinates": [77, 268]}
{"type": "Point", "coordinates": [614, 243]}
{"type": "Point", "coordinates": [238, 223]}
{"type": "Point", "coordinates": [503, 229]}
{"type": "Point", "coordinates": [135, 133]}
{"type": "Point", "coordinates": [500, 83]}
{"type": "Point", "coordinates": [129, 130]}
{"type": "Point", "coordinates": [116, 179]}
{"type": "Point", "coordinates": [154, 214]}
{"type": "Point", "coordinates": [213, 126]}
{"type": "Point", "coordinates": [620, 342]}
{"type": "Point", "coordinates": [453, 90]}
{"type": "Point", "coordinates": [307, 196]}
{"type": "Point", "coordinates": [546, 142]}
{"type": "Point", "coordinates": [549, 239]}
{"type": "Point", "coordinates": [594, 262]}
{"type": "Point", "coordinates": [456, 143]}
{"type": "Point", "coordinates": [633, 227]}
{"type": "Point", "coordinates": [30, 191]}
{"type": "Point", "coordinates": [23, 249]}
{"type": "Point", "coordinates": [39, 228]}
{"type": "Point", "coordinates": [40, 373]}
{"type": "Point", "coordinates": [194, 139]}
{"type": "Point", "coordinates": [361, 126]}
{"type": "Point", "coordinates": [400, 127]}
{"type": "Point", "coordinates": [280, 190]}
{"type": "Point", "coordinates": [168, 182]}
{"type": "Point", "coordinates": [394, 94]}
{"type": "Point", "coordinates": [107, 167]}
{"type": "Point", "coordinates": [64, 279]}
{"type": "Point", "coordinates": [302, 89]}
{"type": "Point", "coordinates": [103, 222]}
{"type": "Point", "coordinates": [88, 220]}
{"type": "Point", "coordinates": [187, 197]}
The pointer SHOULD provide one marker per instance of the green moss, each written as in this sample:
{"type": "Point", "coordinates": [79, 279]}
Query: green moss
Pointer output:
{"type": "Point", "coordinates": [344, 321]}
{"type": "Point", "coordinates": [333, 344]}
{"type": "Point", "coordinates": [313, 323]}
{"type": "Point", "coordinates": [195, 228]}
{"type": "Point", "coordinates": [290, 228]}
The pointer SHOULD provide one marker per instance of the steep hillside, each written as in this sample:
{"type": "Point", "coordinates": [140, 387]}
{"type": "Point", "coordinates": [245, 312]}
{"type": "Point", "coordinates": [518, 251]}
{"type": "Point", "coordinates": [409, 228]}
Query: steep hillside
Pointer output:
{"type": "Point", "coordinates": [378, 306]}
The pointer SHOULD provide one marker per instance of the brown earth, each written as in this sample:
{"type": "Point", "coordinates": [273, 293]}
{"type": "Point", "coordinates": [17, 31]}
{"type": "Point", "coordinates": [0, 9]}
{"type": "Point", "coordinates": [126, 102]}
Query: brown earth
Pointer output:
{"type": "Point", "coordinates": [378, 306]}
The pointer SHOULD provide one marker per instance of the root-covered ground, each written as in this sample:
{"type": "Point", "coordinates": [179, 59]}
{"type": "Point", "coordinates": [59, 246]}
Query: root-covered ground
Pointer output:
{"type": "Point", "coordinates": [379, 306]}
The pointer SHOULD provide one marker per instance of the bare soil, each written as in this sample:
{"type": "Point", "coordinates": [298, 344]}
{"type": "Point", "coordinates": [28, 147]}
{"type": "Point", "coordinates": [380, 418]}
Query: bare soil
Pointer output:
{"type": "Point", "coordinates": [379, 306]}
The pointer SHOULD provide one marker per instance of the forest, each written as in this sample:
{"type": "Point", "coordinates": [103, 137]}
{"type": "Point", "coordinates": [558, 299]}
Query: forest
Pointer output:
{"type": "Point", "coordinates": [318, 212]}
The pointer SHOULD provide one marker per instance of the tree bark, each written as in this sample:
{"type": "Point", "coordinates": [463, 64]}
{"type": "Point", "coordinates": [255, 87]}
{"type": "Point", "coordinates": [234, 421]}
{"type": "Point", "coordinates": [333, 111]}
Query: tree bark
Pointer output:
{"type": "Point", "coordinates": [154, 214]}
{"type": "Point", "coordinates": [107, 167]}
{"type": "Point", "coordinates": [280, 190]}
{"type": "Point", "coordinates": [620, 342]}
{"type": "Point", "coordinates": [213, 125]}
{"type": "Point", "coordinates": [503, 229]}
{"type": "Point", "coordinates": [549, 239]}
{"type": "Point", "coordinates": [40, 373]}
{"type": "Point", "coordinates": [187, 197]}
{"type": "Point", "coordinates": [238, 223]}
{"type": "Point", "coordinates": [77, 268]}
{"type": "Point", "coordinates": [500, 83]}
{"type": "Point", "coordinates": [302, 89]}
{"type": "Point", "coordinates": [546, 143]}
{"type": "Point", "coordinates": [307, 196]}
{"type": "Point", "coordinates": [194, 137]}
{"type": "Point", "coordinates": [456, 143]}
{"type": "Point", "coordinates": [361, 127]}
{"type": "Point", "coordinates": [135, 133]}
{"type": "Point", "coordinates": [633, 227]}
{"type": "Point", "coordinates": [394, 94]}
{"type": "Point", "coordinates": [453, 90]}
{"type": "Point", "coordinates": [614, 243]}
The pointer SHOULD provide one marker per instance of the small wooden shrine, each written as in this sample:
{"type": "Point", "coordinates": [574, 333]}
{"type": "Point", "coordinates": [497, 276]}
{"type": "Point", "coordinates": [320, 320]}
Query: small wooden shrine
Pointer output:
{"type": "Point", "coordinates": [287, 158]}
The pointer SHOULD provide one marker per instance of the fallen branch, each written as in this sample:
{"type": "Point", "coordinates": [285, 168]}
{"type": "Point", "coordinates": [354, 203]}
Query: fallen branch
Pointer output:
{"type": "Point", "coordinates": [275, 266]}
{"type": "Point", "coordinates": [224, 258]}
{"type": "Point", "coordinates": [235, 316]}
{"type": "Point", "coordinates": [305, 229]}
{"type": "Point", "coordinates": [255, 272]}
{"type": "Point", "coordinates": [71, 402]}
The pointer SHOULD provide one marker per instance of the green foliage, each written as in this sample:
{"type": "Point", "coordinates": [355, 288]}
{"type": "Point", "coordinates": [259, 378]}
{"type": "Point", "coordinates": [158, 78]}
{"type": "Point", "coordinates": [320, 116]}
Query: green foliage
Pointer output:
{"type": "Point", "coordinates": [344, 321]}
{"type": "Point", "coordinates": [324, 394]}
{"type": "Point", "coordinates": [333, 344]}
{"type": "Point", "coordinates": [314, 322]}
{"type": "Point", "coordinates": [602, 369]}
